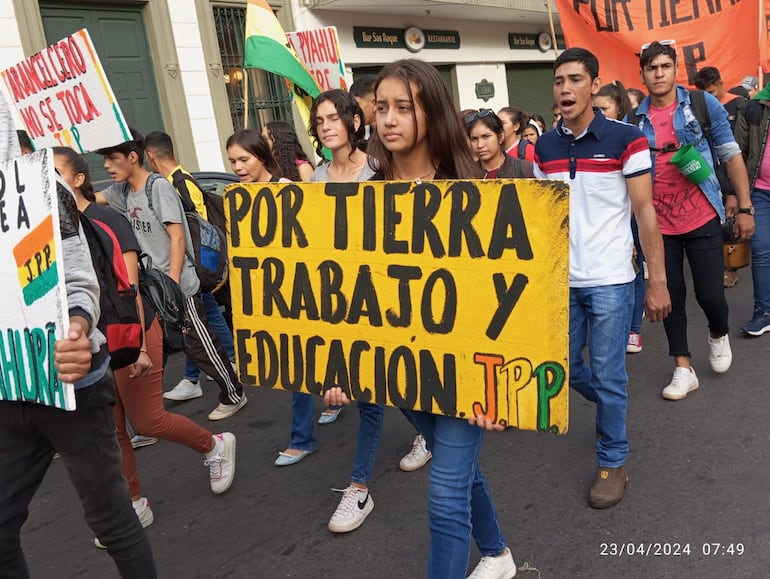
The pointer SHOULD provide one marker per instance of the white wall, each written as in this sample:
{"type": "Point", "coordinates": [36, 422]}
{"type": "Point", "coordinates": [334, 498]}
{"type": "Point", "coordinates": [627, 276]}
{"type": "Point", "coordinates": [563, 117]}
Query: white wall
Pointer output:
{"type": "Point", "coordinates": [11, 51]}
{"type": "Point", "coordinates": [470, 74]}
{"type": "Point", "coordinates": [481, 42]}
{"type": "Point", "coordinates": [192, 68]}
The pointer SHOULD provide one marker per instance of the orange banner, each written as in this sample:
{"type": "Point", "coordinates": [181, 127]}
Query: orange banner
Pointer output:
{"type": "Point", "coordinates": [764, 38]}
{"type": "Point", "coordinates": [720, 33]}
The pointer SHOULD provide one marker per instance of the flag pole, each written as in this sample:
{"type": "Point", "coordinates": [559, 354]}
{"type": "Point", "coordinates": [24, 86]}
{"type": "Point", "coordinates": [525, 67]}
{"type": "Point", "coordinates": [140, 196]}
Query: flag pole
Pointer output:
{"type": "Point", "coordinates": [246, 98]}
{"type": "Point", "coordinates": [553, 29]}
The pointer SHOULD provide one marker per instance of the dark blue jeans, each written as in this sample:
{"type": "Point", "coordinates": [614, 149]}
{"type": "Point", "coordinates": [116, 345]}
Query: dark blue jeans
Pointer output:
{"type": "Point", "coordinates": [85, 439]}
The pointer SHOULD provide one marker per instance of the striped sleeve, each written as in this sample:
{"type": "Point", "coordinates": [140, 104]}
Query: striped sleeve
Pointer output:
{"type": "Point", "coordinates": [636, 158]}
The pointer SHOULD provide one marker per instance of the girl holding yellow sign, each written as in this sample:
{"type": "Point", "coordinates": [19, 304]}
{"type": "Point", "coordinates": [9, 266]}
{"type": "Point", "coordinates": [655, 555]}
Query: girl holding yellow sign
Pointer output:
{"type": "Point", "coordinates": [419, 137]}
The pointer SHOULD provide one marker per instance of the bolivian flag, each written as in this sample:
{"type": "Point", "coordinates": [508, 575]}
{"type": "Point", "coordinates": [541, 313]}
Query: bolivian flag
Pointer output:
{"type": "Point", "coordinates": [268, 48]}
{"type": "Point", "coordinates": [36, 262]}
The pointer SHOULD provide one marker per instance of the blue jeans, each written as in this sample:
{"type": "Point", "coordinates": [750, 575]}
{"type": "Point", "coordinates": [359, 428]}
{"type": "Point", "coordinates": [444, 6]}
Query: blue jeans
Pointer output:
{"type": "Point", "coordinates": [459, 503]}
{"type": "Point", "coordinates": [639, 286]}
{"type": "Point", "coordinates": [760, 249]}
{"type": "Point", "coordinates": [85, 439]}
{"type": "Point", "coordinates": [302, 433]}
{"type": "Point", "coordinates": [370, 418]}
{"type": "Point", "coordinates": [217, 322]}
{"type": "Point", "coordinates": [601, 316]}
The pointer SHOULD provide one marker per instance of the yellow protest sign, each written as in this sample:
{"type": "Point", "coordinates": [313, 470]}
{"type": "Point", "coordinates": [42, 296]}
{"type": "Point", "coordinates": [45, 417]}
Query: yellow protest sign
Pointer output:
{"type": "Point", "coordinates": [445, 296]}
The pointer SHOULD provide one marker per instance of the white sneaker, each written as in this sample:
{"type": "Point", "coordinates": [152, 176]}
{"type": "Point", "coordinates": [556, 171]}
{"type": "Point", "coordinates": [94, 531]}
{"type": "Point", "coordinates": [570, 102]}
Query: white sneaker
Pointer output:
{"type": "Point", "coordinates": [223, 410]}
{"type": "Point", "coordinates": [355, 506]}
{"type": "Point", "coordinates": [221, 462]}
{"type": "Point", "coordinates": [720, 354]}
{"type": "Point", "coordinates": [143, 513]}
{"type": "Point", "coordinates": [683, 382]}
{"type": "Point", "coordinates": [500, 567]}
{"type": "Point", "coordinates": [139, 441]}
{"type": "Point", "coordinates": [418, 457]}
{"type": "Point", "coordinates": [185, 390]}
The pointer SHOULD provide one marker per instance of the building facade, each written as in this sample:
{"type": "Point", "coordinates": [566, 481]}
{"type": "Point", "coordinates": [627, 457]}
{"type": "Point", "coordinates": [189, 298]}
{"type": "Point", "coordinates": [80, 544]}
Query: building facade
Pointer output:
{"type": "Point", "coordinates": [175, 65]}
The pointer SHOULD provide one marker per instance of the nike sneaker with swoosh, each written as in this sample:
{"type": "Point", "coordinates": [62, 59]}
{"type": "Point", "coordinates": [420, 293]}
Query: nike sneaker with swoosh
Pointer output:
{"type": "Point", "coordinates": [354, 507]}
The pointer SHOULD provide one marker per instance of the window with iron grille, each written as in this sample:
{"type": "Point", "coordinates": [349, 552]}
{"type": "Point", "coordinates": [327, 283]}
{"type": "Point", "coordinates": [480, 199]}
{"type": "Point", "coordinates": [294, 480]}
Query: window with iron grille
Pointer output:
{"type": "Point", "coordinates": [268, 98]}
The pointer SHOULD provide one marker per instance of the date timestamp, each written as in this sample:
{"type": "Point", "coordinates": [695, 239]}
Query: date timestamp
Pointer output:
{"type": "Point", "coordinates": [670, 549]}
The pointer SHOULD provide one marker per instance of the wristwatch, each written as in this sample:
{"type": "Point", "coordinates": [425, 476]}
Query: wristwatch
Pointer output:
{"type": "Point", "coordinates": [747, 210]}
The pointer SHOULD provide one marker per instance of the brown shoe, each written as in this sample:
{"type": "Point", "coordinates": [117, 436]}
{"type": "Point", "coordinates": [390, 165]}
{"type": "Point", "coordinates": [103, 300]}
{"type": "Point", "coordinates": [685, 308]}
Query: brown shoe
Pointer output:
{"type": "Point", "coordinates": [608, 488]}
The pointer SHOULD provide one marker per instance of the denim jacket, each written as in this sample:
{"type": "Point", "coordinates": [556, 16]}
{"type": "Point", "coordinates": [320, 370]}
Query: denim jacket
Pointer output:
{"type": "Point", "coordinates": [688, 132]}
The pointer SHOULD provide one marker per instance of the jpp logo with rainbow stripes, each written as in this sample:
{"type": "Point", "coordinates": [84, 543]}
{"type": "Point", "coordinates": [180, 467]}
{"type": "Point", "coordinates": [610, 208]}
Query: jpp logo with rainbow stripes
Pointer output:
{"type": "Point", "coordinates": [36, 262]}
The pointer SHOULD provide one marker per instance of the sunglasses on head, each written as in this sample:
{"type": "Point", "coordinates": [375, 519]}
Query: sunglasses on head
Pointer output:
{"type": "Point", "coordinates": [669, 42]}
{"type": "Point", "coordinates": [480, 114]}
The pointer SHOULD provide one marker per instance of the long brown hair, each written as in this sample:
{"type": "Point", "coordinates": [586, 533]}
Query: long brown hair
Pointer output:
{"type": "Point", "coordinates": [446, 137]}
{"type": "Point", "coordinates": [257, 145]}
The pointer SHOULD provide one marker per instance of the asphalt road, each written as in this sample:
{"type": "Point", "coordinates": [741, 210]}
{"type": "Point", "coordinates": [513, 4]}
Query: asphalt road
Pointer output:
{"type": "Point", "coordinates": [697, 505]}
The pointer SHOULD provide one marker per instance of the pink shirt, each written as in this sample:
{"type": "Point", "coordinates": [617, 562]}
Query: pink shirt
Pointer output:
{"type": "Point", "coordinates": [680, 204]}
{"type": "Point", "coordinates": [763, 177]}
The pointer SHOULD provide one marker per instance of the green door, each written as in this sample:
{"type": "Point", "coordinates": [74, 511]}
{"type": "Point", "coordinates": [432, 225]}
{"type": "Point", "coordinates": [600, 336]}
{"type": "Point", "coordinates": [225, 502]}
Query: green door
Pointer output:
{"type": "Point", "coordinates": [530, 88]}
{"type": "Point", "coordinates": [119, 36]}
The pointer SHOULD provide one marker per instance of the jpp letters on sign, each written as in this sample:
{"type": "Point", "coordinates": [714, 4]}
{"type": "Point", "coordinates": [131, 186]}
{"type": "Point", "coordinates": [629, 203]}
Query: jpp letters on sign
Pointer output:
{"type": "Point", "coordinates": [32, 285]}
{"type": "Point", "coordinates": [444, 296]}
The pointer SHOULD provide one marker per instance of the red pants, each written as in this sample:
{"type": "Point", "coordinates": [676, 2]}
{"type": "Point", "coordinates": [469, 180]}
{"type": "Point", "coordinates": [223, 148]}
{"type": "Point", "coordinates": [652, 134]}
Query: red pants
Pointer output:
{"type": "Point", "coordinates": [142, 400]}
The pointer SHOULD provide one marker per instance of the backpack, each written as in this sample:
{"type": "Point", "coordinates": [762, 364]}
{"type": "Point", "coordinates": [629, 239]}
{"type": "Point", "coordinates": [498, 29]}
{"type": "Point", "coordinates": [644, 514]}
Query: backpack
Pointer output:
{"type": "Point", "coordinates": [521, 149]}
{"type": "Point", "coordinates": [209, 245]}
{"type": "Point", "coordinates": [699, 109]}
{"type": "Point", "coordinates": [119, 320]}
{"type": "Point", "coordinates": [215, 204]}
{"type": "Point", "coordinates": [167, 299]}
{"type": "Point", "coordinates": [752, 112]}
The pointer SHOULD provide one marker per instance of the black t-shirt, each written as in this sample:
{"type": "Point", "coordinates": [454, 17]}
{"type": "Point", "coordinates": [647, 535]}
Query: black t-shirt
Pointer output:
{"type": "Point", "coordinates": [126, 239]}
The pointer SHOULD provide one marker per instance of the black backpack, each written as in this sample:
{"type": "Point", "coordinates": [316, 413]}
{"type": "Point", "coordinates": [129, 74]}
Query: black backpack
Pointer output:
{"type": "Point", "coordinates": [166, 297]}
{"type": "Point", "coordinates": [699, 109]}
{"type": "Point", "coordinates": [119, 320]}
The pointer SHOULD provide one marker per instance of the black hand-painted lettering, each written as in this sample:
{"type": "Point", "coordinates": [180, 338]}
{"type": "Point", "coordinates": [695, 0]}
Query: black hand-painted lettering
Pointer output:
{"type": "Point", "coordinates": [331, 282]}
{"type": "Point", "coordinates": [510, 229]}
{"type": "Point", "coordinates": [341, 192]}
{"type": "Point", "coordinates": [267, 359]}
{"type": "Point", "coordinates": [287, 382]}
{"type": "Point", "coordinates": [404, 274]}
{"type": "Point", "coordinates": [370, 219]}
{"type": "Point", "coordinates": [302, 297]}
{"type": "Point", "coordinates": [447, 321]}
{"type": "Point", "coordinates": [265, 210]}
{"type": "Point", "coordinates": [507, 297]}
{"type": "Point", "coordinates": [466, 202]}
{"type": "Point", "coordinates": [337, 369]}
{"type": "Point", "coordinates": [239, 201]}
{"type": "Point", "coordinates": [274, 271]}
{"type": "Point", "coordinates": [291, 202]}
{"type": "Point", "coordinates": [392, 217]}
{"type": "Point", "coordinates": [246, 265]}
{"type": "Point", "coordinates": [364, 301]}
{"type": "Point", "coordinates": [427, 200]}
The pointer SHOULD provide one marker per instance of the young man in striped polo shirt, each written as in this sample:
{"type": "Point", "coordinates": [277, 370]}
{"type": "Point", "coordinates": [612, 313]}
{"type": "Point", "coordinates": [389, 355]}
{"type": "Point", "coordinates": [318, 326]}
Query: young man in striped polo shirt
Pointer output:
{"type": "Point", "coordinates": [607, 165]}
